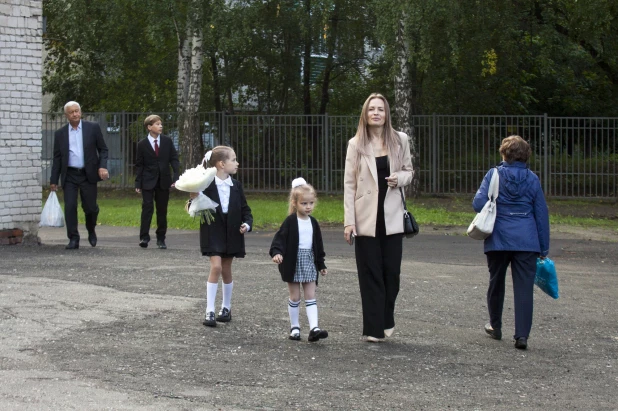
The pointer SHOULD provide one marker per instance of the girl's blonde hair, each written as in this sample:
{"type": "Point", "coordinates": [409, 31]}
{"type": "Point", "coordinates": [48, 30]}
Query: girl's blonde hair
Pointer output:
{"type": "Point", "coordinates": [219, 153]}
{"type": "Point", "coordinates": [391, 138]}
{"type": "Point", "coordinates": [297, 192]}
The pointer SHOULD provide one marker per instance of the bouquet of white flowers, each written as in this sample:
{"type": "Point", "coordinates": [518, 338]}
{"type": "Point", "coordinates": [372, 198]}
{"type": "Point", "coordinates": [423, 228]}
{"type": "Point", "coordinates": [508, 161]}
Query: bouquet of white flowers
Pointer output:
{"type": "Point", "coordinates": [202, 206]}
{"type": "Point", "coordinates": [195, 180]}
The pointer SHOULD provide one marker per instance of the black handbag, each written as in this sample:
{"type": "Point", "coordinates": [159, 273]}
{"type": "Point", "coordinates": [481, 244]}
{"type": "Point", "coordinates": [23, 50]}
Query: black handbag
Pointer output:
{"type": "Point", "coordinates": [410, 226]}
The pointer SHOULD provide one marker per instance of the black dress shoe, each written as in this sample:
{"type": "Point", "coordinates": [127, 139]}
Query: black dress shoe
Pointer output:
{"type": "Point", "coordinates": [494, 333]}
{"type": "Point", "coordinates": [209, 321]}
{"type": "Point", "coordinates": [294, 334]}
{"type": "Point", "coordinates": [521, 343]}
{"type": "Point", "coordinates": [161, 244]}
{"type": "Point", "coordinates": [143, 243]}
{"type": "Point", "coordinates": [92, 238]}
{"type": "Point", "coordinates": [317, 334]}
{"type": "Point", "coordinates": [73, 245]}
{"type": "Point", "coordinates": [225, 315]}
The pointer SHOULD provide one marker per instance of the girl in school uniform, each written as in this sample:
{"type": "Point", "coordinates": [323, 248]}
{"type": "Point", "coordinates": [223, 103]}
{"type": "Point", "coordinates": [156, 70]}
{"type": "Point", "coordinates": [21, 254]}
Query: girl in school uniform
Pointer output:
{"type": "Point", "coordinates": [298, 250]}
{"type": "Point", "coordinates": [223, 239]}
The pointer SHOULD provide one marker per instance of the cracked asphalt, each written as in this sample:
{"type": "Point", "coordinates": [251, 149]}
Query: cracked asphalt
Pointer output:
{"type": "Point", "coordinates": [117, 327]}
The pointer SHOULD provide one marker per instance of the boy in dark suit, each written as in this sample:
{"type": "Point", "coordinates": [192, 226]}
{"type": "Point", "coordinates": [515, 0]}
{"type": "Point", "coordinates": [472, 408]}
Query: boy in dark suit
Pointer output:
{"type": "Point", "coordinates": [155, 154]}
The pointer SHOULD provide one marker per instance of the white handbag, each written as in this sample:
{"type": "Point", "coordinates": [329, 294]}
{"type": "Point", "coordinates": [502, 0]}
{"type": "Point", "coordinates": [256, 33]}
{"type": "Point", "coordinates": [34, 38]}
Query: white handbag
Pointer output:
{"type": "Point", "coordinates": [483, 224]}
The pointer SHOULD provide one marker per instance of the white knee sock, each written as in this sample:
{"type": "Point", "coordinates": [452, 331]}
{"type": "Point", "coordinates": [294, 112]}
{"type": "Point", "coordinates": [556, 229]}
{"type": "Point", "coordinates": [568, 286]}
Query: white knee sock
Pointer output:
{"type": "Point", "coordinates": [293, 309]}
{"type": "Point", "coordinates": [227, 295]}
{"type": "Point", "coordinates": [311, 306]}
{"type": "Point", "coordinates": [211, 293]}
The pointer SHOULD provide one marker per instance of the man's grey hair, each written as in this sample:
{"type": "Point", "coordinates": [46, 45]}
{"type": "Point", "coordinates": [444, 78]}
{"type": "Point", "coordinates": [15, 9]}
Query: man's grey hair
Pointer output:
{"type": "Point", "coordinates": [71, 104]}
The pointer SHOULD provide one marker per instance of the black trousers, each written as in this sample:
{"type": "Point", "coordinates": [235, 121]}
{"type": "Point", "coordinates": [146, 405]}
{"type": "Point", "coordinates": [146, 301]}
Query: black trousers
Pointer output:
{"type": "Point", "coordinates": [75, 182]}
{"type": "Point", "coordinates": [378, 261]}
{"type": "Point", "coordinates": [160, 197]}
{"type": "Point", "coordinates": [523, 270]}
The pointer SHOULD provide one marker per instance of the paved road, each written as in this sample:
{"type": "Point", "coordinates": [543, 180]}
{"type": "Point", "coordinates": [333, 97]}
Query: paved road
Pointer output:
{"type": "Point", "coordinates": [119, 328]}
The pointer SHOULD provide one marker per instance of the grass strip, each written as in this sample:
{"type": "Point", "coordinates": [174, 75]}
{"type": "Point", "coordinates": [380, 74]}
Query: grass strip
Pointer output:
{"type": "Point", "coordinates": [123, 208]}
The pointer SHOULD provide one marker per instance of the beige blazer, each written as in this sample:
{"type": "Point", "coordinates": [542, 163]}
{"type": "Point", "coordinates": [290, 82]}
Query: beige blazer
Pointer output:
{"type": "Point", "coordinates": [360, 190]}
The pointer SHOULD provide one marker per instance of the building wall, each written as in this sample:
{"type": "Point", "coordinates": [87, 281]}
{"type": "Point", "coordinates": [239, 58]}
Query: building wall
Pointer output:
{"type": "Point", "coordinates": [20, 115]}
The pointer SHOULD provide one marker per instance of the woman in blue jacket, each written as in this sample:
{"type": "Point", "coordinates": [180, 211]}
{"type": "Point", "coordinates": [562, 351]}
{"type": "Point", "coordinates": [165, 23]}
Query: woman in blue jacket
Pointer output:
{"type": "Point", "coordinates": [520, 235]}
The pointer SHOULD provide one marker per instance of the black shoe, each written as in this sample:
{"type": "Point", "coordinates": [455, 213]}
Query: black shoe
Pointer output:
{"type": "Point", "coordinates": [143, 243]}
{"type": "Point", "coordinates": [161, 244]}
{"type": "Point", "coordinates": [209, 321]}
{"type": "Point", "coordinates": [225, 315]}
{"type": "Point", "coordinates": [73, 245]}
{"type": "Point", "coordinates": [521, 343]}
{"type": "Point", "coordinates": [294, 336]}
{"type": "Point", "coordinates": [494, 333]}
{"type": "Point", "coordinates": [92, 238]}
{"type": "Point", "coordinates": [317, 334]}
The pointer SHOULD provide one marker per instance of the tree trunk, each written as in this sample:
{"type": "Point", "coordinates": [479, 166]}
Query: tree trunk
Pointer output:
{"type": "Point", "coordinates": [404, 99]}
{"type": "Point", "coordinates": [331, 44]}
{"type": "Point", "coordinates": [216, 87]}
{"type": "Point", "coordinates": [189, 89]}
{"type": "Point", "coordinates": [307, 59]}
{"type": "Point", "coordinates": [228, 88]}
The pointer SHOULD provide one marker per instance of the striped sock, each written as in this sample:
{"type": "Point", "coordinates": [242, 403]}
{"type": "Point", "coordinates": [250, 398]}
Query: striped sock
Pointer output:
{"type": "Point", "coordinates": [293, 310]}
{"type": "Point", "coordinates": [311, 306]}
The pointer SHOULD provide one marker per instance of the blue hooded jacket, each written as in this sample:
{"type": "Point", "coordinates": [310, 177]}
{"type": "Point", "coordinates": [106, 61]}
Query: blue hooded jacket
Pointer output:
{"type": "Point", "coordinates": [522, 218]}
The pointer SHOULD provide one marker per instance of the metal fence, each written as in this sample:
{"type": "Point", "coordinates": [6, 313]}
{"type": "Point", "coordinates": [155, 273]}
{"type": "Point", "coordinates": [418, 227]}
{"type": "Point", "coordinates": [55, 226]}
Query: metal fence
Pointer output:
{"type": "Point", "coordinates": [574, 157]}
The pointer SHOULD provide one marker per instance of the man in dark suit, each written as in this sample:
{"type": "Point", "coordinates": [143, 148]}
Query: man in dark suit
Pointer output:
{"type": "Point", "coordinates": [155, 154]}
{"type": "Point", "coordinates": [80, 156]}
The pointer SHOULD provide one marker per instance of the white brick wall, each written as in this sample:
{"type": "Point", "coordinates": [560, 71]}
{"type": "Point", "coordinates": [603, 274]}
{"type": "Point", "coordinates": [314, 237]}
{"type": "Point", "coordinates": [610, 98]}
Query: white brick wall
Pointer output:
{"type": "Point", "coordinates": [20, 115]}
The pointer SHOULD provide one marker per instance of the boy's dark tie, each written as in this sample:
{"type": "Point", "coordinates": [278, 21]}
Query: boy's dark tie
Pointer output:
{"type": "Point", "coordinates": [156, 148]}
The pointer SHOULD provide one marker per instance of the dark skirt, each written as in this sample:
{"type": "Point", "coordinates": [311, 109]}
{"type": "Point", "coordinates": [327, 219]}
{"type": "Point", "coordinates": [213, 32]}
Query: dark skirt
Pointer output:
{"type": "Point", "coordinates": [223, 234]}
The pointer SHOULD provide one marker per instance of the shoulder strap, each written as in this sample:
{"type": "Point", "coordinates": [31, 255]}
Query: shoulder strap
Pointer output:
{"type": "Point", "coordinates": [403, 201]}
{"type": "Point", "coordinates": [494, 185]}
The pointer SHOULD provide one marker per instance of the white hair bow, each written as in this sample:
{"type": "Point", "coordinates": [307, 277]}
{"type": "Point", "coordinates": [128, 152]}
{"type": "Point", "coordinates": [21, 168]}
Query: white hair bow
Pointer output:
{"type": "Point", "coordinates": [298, 182]}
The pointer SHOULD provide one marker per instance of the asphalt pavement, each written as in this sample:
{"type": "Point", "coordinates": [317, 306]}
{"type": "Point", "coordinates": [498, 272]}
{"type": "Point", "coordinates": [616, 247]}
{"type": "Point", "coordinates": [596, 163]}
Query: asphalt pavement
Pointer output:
{"type": "Point", "coordinates": [117, 327]}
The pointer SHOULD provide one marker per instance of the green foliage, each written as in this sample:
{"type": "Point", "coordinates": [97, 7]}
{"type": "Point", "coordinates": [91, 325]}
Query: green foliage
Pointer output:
{"type": "Point", "coordinates": [109, 55]}
{"type": "Point", "coordinates": [467, 56]}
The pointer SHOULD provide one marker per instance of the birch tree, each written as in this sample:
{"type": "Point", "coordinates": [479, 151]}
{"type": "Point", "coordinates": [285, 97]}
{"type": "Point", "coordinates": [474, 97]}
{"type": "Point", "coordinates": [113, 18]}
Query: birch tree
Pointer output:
{"type": "Point", "coordinates": [404, 98]}
{"type": "Point", "coordinates": [189, 83]}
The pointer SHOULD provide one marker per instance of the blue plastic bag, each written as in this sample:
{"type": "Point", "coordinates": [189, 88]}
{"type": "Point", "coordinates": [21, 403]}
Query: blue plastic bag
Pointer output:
{"type": "Point", "coordinates": [546, 278]}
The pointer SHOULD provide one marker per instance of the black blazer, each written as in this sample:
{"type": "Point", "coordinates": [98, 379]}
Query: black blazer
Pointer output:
{"type": "Point", "coordinates": [285, 243]}
{"type": "Point", "coordinates": [149, 168]}
{"type": "Point", "coordinates": [95, 152]}
{"type": "Point", "coordinates": [219, 237]}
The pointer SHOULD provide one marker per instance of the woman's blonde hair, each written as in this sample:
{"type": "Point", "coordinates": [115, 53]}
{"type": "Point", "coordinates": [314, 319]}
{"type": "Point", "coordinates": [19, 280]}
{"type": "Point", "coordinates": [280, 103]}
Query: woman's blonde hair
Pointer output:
{"type": "Point", "coordinates": [391, 138]}
{"type": "Point", "coordinates": [515, 148]}
{"type": "Point", "coordinates": [219, 153]}
{"type": "Point", "coordinates": [297, 192]}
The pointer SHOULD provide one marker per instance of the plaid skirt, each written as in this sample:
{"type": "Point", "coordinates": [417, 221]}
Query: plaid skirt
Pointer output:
{"type": "Point", "coordinates": [305, 267]}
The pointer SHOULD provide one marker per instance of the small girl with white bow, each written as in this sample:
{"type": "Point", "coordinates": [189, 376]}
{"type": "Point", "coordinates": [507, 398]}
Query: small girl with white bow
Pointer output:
{"type": "Point", "coordinates": [223, 239]}
{"type": "Point", "coordinates": [298, 250]}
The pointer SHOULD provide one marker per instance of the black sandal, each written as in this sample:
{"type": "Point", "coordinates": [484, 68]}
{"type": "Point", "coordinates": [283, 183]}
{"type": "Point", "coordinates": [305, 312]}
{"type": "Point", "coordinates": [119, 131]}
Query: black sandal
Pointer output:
{"type": "Point", "coordinates": [294, 336]}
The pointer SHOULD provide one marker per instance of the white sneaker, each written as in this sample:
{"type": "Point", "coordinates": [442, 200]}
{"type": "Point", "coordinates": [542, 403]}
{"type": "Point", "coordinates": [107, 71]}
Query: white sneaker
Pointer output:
{"type": "Point", "coordinates": [369, 338]}
{"type": "Point", "coordinates": [389, 332]}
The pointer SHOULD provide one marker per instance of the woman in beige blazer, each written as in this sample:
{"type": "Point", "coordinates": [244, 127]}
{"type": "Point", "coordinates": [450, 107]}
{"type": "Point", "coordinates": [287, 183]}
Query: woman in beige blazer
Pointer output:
{"type": "Point", "coordinates": [377, 163]}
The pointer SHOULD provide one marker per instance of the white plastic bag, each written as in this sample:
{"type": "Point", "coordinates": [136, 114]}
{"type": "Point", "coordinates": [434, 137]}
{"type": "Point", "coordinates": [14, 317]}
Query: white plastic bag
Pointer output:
{"type": "Point", "coordinates": [483, 224]}
{"type": "Point", "coordinates": [52, 215]}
